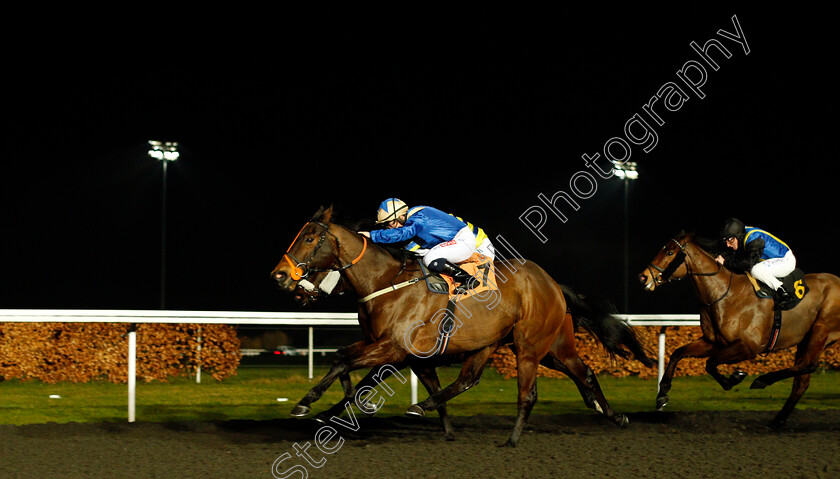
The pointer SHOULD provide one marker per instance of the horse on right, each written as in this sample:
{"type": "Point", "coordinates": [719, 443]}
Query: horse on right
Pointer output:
{"type": "Point", "coordinates": [737, 325]}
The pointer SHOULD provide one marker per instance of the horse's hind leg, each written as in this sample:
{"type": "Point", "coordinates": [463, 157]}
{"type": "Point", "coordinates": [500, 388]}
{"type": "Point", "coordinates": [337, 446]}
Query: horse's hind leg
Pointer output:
{"type": "Point", "coordinates": [469, 376]}
{"type": "Point", "coordinates": [564, 357]}
{"type": "Point", "coordinates": [587, 383]}
{"type": "Point", "coordinates": [800, 385]}
{"type": "Point", "coordinates": [526, 379]}
{"type": "Point", "coordinates": [806, 360]}
{"type": "Point", "coordinates": [429, 378]}
{"type": "Point", "coordinates": [588, 397]}
{"type": "Point", "coordinates": [807, 357]}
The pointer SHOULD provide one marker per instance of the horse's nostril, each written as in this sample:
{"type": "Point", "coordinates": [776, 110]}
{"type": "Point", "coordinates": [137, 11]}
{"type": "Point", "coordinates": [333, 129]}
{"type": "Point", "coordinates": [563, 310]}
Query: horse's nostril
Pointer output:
{"type": "Point", "coordinates": [279, 275]}
{"type": "Point", "coordinates": [643, 279]}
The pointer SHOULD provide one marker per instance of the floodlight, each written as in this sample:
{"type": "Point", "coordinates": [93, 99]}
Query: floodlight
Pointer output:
{"type": "Point", "coordinates": [167, 151]}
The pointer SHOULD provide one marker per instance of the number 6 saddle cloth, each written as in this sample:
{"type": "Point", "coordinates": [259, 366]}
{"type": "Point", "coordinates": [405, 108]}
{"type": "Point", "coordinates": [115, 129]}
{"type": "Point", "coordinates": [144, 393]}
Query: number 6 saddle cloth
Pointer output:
{"type": "Point", "coordinates": [794, 283]}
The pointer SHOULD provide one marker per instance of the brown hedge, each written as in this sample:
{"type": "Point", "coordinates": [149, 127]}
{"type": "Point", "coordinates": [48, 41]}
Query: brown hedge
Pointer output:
{"type": "Point", "coordinates": [81, 352]}
{"type": "Point", "coordinates": [594, 355]}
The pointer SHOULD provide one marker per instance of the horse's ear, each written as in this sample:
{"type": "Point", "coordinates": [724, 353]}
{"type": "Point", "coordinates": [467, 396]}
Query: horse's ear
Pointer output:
{"type": "Point", "coordinates": [327, 216]}
{"type": "Point", "coordinates": [323, 215]}
{"type": "Point", "coordinates": [317, 215]}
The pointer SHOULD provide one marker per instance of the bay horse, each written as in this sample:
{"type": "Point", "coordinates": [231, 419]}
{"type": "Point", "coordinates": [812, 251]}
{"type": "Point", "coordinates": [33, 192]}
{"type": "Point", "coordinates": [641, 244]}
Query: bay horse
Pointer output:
{"type": "Point", "coordinates": [402, 323]}
{"type": "Point", "coordinates": [737, 326]}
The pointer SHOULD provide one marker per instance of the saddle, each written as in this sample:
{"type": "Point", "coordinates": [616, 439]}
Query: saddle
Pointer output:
{"type": "Point", "coordinates": [793, 283]}
{"type": "Point", "coordinates": [479, 266]}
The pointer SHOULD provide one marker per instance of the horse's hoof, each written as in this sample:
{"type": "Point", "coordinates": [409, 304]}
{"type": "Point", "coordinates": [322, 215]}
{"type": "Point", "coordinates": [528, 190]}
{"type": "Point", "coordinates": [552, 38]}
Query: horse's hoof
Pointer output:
{"type": "Point", "coordinates": [509, 443]}
{"type": "Point", "coordinates": [300, 411]}
{"type": "Point", "coordinates": [621, 420]}
{"type": "Point", "coordinates": [320, 418]}
{"type": "Point", "coordinates": [776, 425]}
{"type": "Point", "coordinates": [415, 410]}
{"type": "Point", "coordinates": [735, 379]}
{"type": "Point", "coordinates": [661, 401]}
{"type": "Point", "coordinates": [758, 384]}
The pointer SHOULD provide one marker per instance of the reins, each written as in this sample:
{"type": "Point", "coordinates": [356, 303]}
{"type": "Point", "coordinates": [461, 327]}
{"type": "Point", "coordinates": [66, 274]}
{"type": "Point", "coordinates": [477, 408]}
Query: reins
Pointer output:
{"type": "Point", "coordinates": [301, 269]}
{"type": "Point", "coordinates": [392, 288]}
{"type": "Point", "coordinates": [665, 275]}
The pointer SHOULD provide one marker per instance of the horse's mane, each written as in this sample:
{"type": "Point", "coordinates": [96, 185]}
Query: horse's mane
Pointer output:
{"type": "Point", "coordinates": [711, 246]}
{"type": "Point", "coordinates": [396, 250]}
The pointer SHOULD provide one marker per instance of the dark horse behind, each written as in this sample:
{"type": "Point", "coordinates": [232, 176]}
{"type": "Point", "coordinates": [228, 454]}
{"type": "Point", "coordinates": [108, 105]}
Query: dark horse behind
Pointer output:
{"type": "Point", "coordinates": [737, 325]}
{"type": "Point", "coordinates": [531, 312]}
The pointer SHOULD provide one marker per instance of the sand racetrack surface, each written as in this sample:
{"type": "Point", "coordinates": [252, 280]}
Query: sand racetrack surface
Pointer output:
{"type": "Point", "coordinates": [665, 444]}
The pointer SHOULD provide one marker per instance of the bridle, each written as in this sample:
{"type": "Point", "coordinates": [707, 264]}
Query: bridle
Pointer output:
{"type": "Point", "coordinates": [301, 269]}
{"type": "Point", "coordinates": [666, 275]}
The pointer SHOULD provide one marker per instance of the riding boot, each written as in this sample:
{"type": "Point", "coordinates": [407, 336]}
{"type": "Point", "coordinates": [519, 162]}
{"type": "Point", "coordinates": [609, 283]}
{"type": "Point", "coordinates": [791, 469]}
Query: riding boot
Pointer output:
{"type": "Point", "coordinates": [458, 274]}
{"type": "Point", "coordinates": [783, 298]}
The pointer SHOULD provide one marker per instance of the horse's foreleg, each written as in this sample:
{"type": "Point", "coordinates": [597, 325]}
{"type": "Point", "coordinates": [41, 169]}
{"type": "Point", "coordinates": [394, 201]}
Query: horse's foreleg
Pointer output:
{"type": "Point", "coordinates": [429, 378]}
{"type": "Point", "coordinates": [349, 395]}
{"type": "Point", "coordinates": [337, 370]}
{"type": "Point", "coordinates": [356, 356]}
{"type": "Point", "coordinates": [733, 353]}
{"type": "Point", "coordinates": [699, 348]}
{"type": "Point", "coordinates": [469, 376]}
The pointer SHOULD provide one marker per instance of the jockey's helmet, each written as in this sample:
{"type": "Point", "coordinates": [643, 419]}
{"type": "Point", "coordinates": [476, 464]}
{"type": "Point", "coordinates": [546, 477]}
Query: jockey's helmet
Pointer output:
{"type": "Point", "coordinates": [733, 227]}
{"type": "Point", "coordinates": [390, 210]}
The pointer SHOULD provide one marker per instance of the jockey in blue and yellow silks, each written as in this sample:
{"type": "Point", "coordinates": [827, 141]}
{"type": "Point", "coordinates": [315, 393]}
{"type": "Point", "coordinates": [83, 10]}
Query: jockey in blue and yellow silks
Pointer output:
{"type": "Point", "coordinates": [440, 238]}
{"type": "Point", "coordinates": [765, 256]}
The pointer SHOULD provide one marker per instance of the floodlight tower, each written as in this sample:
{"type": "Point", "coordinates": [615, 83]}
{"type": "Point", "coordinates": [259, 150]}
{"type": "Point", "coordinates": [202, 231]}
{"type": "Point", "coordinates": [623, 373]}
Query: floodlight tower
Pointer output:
{"type": "Point", "coordinates": [626, 171]}
{"type": "Point", "coordinates": [164, 152]}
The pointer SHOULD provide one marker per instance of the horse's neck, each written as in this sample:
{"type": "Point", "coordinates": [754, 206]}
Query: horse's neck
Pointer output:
{"type": "Point", "coordinates": [375, 268]}
{"type": "Point", "coordinates": [710, 287]}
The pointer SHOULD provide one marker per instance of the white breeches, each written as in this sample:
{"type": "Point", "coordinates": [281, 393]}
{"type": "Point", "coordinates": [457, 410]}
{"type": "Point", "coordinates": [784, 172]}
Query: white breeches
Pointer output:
{"type": "Point", "coordinates": [459, 249]}
{"type": "Point", "coordinates": [770, 270]}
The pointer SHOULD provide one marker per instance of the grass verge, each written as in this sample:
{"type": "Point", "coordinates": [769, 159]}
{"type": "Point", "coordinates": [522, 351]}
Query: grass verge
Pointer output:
{"type": "Point", "coordinates": [261, 393]}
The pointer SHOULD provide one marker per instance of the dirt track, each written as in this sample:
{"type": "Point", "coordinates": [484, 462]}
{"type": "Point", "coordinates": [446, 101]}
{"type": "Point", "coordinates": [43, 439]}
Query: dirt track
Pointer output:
{"type": "Point", "coordinates": [686, 445]}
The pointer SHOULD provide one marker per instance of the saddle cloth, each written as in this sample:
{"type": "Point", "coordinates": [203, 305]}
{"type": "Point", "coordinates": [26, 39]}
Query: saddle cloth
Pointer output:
{"type": "Point", "coordinates": [478, 266]}
{"type": "Point", "coordinates": [794, 283]}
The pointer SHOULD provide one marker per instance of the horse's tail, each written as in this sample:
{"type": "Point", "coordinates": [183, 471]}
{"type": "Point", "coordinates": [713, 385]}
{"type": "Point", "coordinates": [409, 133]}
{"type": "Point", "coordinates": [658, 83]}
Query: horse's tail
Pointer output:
{"type": "Point", "coordinates": [597, 316]}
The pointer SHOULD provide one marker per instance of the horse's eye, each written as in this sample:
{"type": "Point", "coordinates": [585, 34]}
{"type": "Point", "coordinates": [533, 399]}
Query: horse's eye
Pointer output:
{"type": "Point", "coordinates": [670, 253]}
{"type": "Point", "coordinates": [309, 240]}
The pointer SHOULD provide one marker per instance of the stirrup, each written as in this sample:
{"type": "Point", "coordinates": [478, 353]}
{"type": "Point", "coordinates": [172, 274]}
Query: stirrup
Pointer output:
{"type": "Point", "coordinates": [466, 280]}
{"type": "Point", "coordinates": [783, 298]}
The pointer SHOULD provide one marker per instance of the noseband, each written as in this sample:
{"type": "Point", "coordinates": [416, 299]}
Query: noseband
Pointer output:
{"type": "Point", "coordinates": [301, 269]}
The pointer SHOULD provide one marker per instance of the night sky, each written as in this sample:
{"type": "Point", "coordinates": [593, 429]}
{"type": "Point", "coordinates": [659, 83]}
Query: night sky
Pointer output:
{"type": "Point", "coordinates": [476, 115]}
